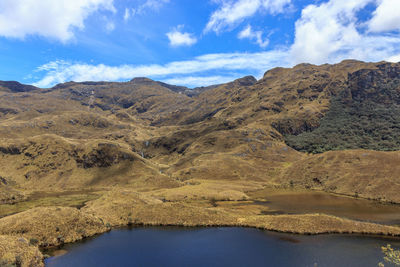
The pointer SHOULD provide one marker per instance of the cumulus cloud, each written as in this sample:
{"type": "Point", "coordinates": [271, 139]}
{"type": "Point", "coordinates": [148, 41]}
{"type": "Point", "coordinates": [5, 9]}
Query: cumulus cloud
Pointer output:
{"type": "Point", "coordinates": [331, 32]}
{"type": "Point", "coordinates": [47, 18]}
{"type": "Point", "coordinates": [245, 63]}
{"type": "Point", "coordinates": [386, 17]}
{"type": "Point", "coordinates": [248, 33]}
{"type": "Point", "coordinates": [178, 38]}
{"type": "Point", "coordinates": [231, 13]}
{"type": "Point", "coordinates": [326, 32]}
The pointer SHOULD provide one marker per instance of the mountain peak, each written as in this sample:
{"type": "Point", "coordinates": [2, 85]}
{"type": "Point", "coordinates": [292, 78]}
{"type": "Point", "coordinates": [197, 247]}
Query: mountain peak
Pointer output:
{"type": "Point", "coordinates": [246, 81]}
{"type": "Point", "coordinates": [141, 80]}
{"type": "Point", "coordinates": [17, 87]}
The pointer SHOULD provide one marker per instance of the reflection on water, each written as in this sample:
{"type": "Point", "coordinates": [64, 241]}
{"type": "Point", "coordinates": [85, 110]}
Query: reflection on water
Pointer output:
{"type": "Point", "coordinates": [291, 202]}
{"type": "Point", "coordinates": [168, 246]}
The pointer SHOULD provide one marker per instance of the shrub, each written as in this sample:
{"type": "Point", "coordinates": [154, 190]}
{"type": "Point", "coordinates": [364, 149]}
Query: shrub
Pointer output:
{"type": "Point", "coordinates": [33, 241]}
{"type": "Point", "coordinates": [213, 202]}
{"type": "Point", "coordinates": [361, 124]}
{"type": "Point", "coordinates": [390, 255]}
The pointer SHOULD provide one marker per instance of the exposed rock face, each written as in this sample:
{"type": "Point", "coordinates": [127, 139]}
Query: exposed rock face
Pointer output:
{"type": "Point", "coordinates": [380, 85]}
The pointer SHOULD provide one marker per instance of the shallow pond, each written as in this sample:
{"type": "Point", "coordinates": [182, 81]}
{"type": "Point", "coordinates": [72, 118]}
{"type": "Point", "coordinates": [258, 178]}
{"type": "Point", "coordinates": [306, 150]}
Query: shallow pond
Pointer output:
{"type": "Point", "coordinates": [178, 246]}
{"type": "Point", "coordinates": [293, 202]}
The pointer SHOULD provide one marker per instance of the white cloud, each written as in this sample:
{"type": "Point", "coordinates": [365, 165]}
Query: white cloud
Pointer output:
{"type": "Point", "coordinates": [331, 32]}
{"type": "Point", "coordinates": [194, 81]}
{"type": "Point", "coordinates": [276, 6]}
{"type": "Point", "coordinates": [47, 18]}
{"type": "Point", "coordinates": [178, 38]}
{"type": "Point", "coordinates": [145, 6]}
{"type": "Point", "coordinates": [232, 13]}
{"type": "Point", "coordinates": [394, 59]}
{"type": "Point", "coordinates": [244, 63]}
{"type": "Point", "coordinates": [386, 17]}
{"type": "Point", "coordinates": [327, 32]}
{"type": "Point", "coordinates": [151, 5]}
{"type": "Point", "coordinates": [248, 33]}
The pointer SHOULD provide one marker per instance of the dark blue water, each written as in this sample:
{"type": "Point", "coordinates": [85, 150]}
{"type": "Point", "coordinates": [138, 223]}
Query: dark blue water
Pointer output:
{"type": "Point", "coordinates": [157, 246]}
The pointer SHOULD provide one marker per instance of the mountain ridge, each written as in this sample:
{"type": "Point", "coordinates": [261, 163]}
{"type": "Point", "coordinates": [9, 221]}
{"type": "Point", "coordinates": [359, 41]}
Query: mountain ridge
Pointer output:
{"type": "Point", "coordinates": [109, 154]}
{"type": "Point", "coordinates": [246, 129]}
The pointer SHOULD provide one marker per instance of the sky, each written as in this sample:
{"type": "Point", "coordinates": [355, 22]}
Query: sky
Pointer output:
{"type": "Point", "coordinates": [187, 42]}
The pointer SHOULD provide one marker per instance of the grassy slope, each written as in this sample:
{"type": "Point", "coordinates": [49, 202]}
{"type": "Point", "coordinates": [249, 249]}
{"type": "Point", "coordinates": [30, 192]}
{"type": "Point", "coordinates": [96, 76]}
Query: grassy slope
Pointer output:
{"type": "Point", "coordinates": [182, 153]}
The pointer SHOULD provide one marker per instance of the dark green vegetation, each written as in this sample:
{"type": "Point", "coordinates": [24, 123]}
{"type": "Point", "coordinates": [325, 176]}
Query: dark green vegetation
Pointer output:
{"type": "Point", "coordinates": [366, 116]}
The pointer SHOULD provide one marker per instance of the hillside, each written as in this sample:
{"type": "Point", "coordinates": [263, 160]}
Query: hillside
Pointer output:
{"type": "Point", "coordinates": [327, 127]}
{"type": "Point", "coordinates": [96, 134]}
{"type": "Point", "coordinates": [365, 115]}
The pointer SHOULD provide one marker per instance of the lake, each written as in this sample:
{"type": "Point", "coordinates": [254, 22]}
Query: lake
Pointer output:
{"type": "Point", "coordinates": [301, 202]}
{"type": "Point", "coordinates": [220, 246]}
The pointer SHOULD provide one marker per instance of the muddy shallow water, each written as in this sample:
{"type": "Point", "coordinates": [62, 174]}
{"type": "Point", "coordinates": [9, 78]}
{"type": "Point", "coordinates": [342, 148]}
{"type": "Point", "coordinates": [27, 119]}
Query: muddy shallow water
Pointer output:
{"type": "Point", "coordinates": [179, 246]}
{"type": "Point", "coordinates": [294, 202]}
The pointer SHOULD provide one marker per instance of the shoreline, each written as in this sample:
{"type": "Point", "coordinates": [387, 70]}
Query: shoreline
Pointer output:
{"type": "Point", "coordinates": [38, 259]}
{"type": "Point", "coordinates": [53, 227]}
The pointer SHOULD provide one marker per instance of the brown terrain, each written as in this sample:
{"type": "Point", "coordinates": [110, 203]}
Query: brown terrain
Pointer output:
{"type": "Point", "coordinates": [81, 158]}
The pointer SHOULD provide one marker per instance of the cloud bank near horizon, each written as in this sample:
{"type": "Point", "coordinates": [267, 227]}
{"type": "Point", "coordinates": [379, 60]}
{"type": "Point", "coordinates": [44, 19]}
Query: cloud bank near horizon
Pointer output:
{"type": "Point", "coordinates": [196, 72]}
{"type": "Point", "coordinates": [328, 31]}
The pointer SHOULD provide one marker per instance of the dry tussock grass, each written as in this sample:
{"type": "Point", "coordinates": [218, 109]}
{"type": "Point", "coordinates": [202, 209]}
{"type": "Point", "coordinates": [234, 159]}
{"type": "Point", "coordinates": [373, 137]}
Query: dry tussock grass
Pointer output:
{"type": "Point", "coordinates": [18, 251]}
{"type": "Point", "coordinates": [181, 153]}
{"type": "Point", "coordinates": [52, 226]}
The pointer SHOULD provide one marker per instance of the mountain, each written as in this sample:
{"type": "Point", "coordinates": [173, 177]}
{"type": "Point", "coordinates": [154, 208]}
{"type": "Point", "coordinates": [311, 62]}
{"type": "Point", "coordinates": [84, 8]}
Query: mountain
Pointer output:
{"type": "Point", "coordinates": [327, 127]}
{"type": "Point", "coordinates": [12, 86]}
{"type": "Point", "coordinates": [83, 157]}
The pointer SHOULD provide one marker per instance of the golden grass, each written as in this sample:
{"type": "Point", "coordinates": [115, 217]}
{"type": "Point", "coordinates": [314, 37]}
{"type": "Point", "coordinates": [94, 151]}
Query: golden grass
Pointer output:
{"type": "Point", "coordinates": [121, 207]}
{"type": "Point", "coordinates": [17, 251]}
{"type": "Point", "coordinates": [52, 226]}
{"type": "Point", "coordinates": [73, 200]}
{"type": "Point", "coordinates": [159, 170]}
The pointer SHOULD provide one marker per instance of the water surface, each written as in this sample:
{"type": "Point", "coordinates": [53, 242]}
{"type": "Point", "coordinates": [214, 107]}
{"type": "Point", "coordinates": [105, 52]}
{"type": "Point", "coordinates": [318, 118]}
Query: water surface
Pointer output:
{"type": "Point", "coordinates": [177, 246]}
{"type": "Point", "coordinates": [295, 202]}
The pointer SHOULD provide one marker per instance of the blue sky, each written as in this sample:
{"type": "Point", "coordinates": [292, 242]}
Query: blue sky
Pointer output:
{"type": "Point", "coordinates": [184, 42]}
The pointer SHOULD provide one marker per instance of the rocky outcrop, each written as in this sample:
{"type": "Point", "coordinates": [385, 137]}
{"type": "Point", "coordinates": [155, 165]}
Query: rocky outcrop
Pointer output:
{"type": "Point", "coordinates": [380, 85]}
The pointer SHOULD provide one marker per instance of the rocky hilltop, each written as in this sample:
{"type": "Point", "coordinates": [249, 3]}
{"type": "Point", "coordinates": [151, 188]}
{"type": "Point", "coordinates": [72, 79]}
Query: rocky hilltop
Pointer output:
{"type": "Point", "coordinates": [149, 144]}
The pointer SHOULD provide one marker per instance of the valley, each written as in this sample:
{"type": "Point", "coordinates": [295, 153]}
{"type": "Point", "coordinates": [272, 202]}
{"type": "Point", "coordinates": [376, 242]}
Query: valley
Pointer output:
{"type": "Point", "coordinates": [278, 153]}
